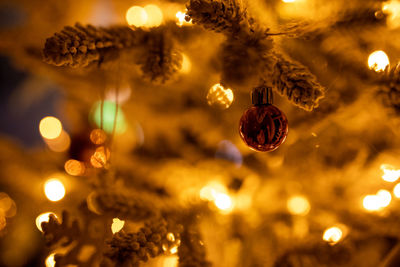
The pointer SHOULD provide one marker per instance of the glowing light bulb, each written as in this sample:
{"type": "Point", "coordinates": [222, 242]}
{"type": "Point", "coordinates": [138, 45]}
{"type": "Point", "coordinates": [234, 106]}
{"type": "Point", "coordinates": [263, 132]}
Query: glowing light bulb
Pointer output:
{"type": "Point", "coordinates": [117, 225]}
{"type": "Point", "coordinates": [50, 127]}
{"type": "Point", "coordinates": [298, 205]}
{"type": "Point", "coordinates": [332, 235]}
{"type": "Point", "coordinates": [186, 64]}
{"type": "Point", "coordinates": [136, 16]}
{"type": "Point", "coordinates": [223, 202]}
{"type": "Point", "coordinates": [378, 61]}
{"type": "Point", "coordinates": [396, 190]}
{"type": "Point", "coordinates": [154, 16]}
{"type": "Point", "coordinates": [54, 190]}
{"type": "Point", "coordinates": [384, 198]}
{"type": "Point", "coordinates": [50, 262]}
{"type": "Point", "coordinates": [181, 21]}
{"type": "Point", "coordinates": [389, 173]}
{"type": "Point", "coordinates": [219, 96]}
{"type": "Point", "coordinates": [371, 203]}
{"type": "Point", "coordinates": [74, 167]}
{"type": "Point", "coordinates": [44, 217]}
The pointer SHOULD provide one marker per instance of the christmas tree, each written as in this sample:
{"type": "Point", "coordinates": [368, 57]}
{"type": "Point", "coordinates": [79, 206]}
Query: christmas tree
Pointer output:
{"type": "Point", "coordinates": [200, 133]}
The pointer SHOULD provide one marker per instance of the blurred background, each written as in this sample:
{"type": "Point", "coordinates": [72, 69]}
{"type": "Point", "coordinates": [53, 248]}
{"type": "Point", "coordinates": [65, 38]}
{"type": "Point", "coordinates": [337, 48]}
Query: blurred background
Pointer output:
{"type": "Point", "coordinates": [328, 196]}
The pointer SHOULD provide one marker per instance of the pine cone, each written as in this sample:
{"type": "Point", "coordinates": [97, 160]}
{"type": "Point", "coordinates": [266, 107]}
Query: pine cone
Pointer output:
{"type": "Point", "coordinates": [79, 46]}
{"type": "Point", "coordinates": [295, 82]}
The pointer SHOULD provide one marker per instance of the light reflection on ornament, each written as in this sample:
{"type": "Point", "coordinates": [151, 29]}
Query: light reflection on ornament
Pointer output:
{"type": "Point", "coordinates": [332, 235]}
{"type": "Point", "coordinates": [54, 189]}
{"type": "Point", "coordinates": [390, 174]}
{"type": "Point", "coordinates": [378, 61]}
{"type": "Point", "coordinates": [44, 217]}
{"type": "Point", "coordinates": [136, 16]}
{"type": "Point", "coordinates": [50, 127]}
{"type": "Point", "coordinates": [298, 205]}
{"type": "Point", "coordinates": [117, 225]}
{"type": "Point", "coordinates": [219, 96]}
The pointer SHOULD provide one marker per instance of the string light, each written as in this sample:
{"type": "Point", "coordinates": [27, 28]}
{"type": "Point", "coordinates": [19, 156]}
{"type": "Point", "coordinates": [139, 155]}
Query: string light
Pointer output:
{"type": "Point", "coordinates": [44, 217]}
{"type": "Point", "coordinates": [392, 10]}
{"type": "Point", "coordinates": [298, 205]}
{"type": "Point", "coordinates": [154, 16]}
{"type": "Point", "coordinates": [396, 190]}
{"type": "Point", "coordinates": [217, 193]}
{"type": "Point", "coordinates": [181, 21]}
{"type": "Point", "coordinates": [136, 16]}
{"type": "Point", "coordinates": [390, 174]}
{"type": "Point", "coordinates": [117, 225]}
{"type": "Point", "coordinates": [74, 167]}
{"type": "Point", "coordinates": [378, 61]}
{"type": "Point", "coordinates": [50, 262]}
{"type": "Point", "coordinates": [377, 202]}
{"type": "Point", "coordinates": [50, 127]}
{"type": "Point", "coordinates": [54, 189]}
{"type": "Point", "coordinates": [332, 235]}
{"type": "Point", "coordinates": [219, 96]}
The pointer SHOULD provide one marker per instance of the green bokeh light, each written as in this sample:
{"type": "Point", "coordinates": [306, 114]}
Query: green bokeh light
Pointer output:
{"type": "Point", "coordinates": [109, 109]}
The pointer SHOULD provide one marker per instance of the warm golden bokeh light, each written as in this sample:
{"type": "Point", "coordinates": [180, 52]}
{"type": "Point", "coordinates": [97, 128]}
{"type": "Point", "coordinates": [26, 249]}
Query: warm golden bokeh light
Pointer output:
{"type": "Point", "coordinates": [186, 64]}
{"type": "Point", "coordinates": [74, 167]}
{"type": "Point", "coordinates": [332, 235]}
{"type": "Point", "coordinates": [171, 261]}
{"type": "Point", "coordinates": [3, 222]}
{"type": "Point", "coordinates": [44, 217]}
{"type": "Point", "coordinates": [50, 127]}
{"type": "Point", "coordinates": [219, 96]}
{"type": "Point", "coordinates": [136, 16]}
{"type": "Point", "coordinates": [377, 202]}
{"type": "Point", "coordinates": [59, 144]}
{"type": "Point", "coordinates": [8, 208]}
{"type": "Point", "coordinates": [54, 189]}
{"type": "Point", "coordinates": [154, 16]}
{"type": "Point", "coordinates": [181, 21]}
{"type": "Point", "coordinates": [98, 136]}
{"type": "Point", "coordinates": [217, 193]}
{"type": "Point", "coordinates": [170, 237]}
{"type": "Point", "coordinates": [396, 190]}
{"type": "Point", "coordinates": [100, 157]}
{"type": "Point", "coordinates": [288, 1]}
{"type": "Point", "coordinates": [378, 61]}
{"type": "Point", "coordinates": [298, 205]}
{"type": "Point", "coordinates": [117, 225]}
{"type": "Point", "coordinates": [50, 262]}
{"type": "Point", "coordinates": [390, 174]}
{"type": "Point", "coordinates": [392, 10]}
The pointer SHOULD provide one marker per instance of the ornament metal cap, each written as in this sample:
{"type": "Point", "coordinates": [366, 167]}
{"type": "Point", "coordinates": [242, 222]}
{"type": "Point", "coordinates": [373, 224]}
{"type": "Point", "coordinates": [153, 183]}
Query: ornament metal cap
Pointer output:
{"type": "Point", "coordinates": [262, 95]}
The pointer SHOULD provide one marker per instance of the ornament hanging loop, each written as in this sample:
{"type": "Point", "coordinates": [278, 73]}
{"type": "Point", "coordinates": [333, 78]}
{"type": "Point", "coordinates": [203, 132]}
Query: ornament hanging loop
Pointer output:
{"type": "Point", "coordinates": [262, 95]}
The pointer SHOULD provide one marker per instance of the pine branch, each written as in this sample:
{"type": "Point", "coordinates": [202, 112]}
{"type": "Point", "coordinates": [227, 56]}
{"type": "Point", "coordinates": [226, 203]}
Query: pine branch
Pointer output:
{"type": "Point", "coordinates": [295, 82]}
{"type": "Point", "coordinates": [80, 45]}
{"type": "Point", "coordinates": [389, 91]}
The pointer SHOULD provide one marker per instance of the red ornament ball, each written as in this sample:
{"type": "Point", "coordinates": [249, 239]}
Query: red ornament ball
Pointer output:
{"type": "Point", "coordinates": [263, 127]}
